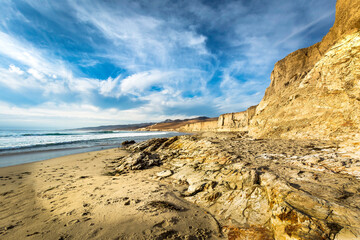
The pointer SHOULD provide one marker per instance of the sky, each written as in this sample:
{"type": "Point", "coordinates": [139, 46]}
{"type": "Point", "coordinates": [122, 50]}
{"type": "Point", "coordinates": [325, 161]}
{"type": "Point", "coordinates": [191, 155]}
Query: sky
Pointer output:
{"type": "Point", "coordinates": [76, 63]}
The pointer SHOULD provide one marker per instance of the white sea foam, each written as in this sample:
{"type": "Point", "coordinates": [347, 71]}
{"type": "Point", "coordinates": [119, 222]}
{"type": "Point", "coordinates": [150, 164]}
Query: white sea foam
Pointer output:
{"type": "Point", "coordinates": [28, 139]}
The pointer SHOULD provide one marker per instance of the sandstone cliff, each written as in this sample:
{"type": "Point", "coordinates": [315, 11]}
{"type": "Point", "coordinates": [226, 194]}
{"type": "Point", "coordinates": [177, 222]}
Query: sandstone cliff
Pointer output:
{"type": "Point", "coordinates": [194, 124]}
{"type": "Point", "coordinates": [236, 121]}
{"type": "Point", "coordinates": [228, 122]}
{"type": "Point", "coordinates": [200, 126]}
{"type": "Point", "coordinates": [314, 92]}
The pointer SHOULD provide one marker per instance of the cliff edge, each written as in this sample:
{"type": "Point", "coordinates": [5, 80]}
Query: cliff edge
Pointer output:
{"type": "Point", "coordinates": [314, 92]}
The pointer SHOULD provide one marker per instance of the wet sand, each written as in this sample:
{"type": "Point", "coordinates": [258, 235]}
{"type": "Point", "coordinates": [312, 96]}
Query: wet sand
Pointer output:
{"type": "Point", "coordinates": [73, 197]}
{"type": "Point", "coordinates": [34, 155]}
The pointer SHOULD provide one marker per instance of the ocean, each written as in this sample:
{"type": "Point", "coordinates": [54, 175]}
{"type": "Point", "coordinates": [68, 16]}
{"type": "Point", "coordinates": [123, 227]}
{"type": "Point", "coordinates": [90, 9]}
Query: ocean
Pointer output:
{"type": "Point", "coordinates": [24, 146]}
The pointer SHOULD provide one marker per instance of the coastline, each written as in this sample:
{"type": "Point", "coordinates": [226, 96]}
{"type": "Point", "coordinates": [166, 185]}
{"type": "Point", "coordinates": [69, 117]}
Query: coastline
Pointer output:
{"type": "Point", "coordinates": [15, 156]}
{"type": "Point", "coordinates": [205, 186]}
{"type": "Point", "coordinates": [43, 155]}
{"type": "Point", "coordinates": [73, 197]}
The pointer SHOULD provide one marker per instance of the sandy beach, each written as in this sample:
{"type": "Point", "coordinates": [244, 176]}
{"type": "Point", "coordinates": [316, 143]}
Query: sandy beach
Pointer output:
{"type": "Point", "coordinates": [73, 197]}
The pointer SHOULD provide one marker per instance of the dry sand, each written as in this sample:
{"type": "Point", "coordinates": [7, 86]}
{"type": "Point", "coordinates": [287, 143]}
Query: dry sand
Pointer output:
{"type": "Point", "coordinates": [72, 198]}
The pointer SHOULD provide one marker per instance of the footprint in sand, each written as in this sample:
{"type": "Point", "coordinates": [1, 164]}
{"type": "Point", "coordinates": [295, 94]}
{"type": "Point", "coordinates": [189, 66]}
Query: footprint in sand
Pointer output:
{"type": "Point", "coordinates": [95, 232]}
{"type": "Point", "coordinates": [162, 224]}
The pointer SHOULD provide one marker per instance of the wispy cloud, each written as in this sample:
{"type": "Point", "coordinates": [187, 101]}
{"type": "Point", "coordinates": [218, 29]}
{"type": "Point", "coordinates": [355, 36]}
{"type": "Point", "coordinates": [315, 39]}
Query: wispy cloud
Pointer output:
{"type": "Point", "coordinates": [14, 69]}
{"type": "Point", "coordinates": [113, 61]}
{"type": "Point", "coordinates": [72, 115]}
{"type": "Point", "coordinates": [302, 29]}
{"type": "Point", "coordinates": [41, 69]}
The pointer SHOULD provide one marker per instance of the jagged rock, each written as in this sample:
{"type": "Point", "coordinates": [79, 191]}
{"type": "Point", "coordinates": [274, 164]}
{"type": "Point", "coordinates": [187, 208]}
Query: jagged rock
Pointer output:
{"type": "Point", "coordinates": [293, 189]}
{"type": "Point", "coordinates": [149, 146]}
{"type": "Point", "coordinates": [138, 161]}
{"type": "Point", "coordinates": [128, 142]}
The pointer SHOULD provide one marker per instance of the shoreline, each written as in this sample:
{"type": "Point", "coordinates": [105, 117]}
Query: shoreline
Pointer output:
{"type": "Point", "coordinates": [39, 153]}
{"type": "Point", "coordinates": [73, 197]}
{"type": "Point", "coordinates": [44, 155]}
{"type": "Point", "coordinates": [208, 186]}
{"type": "Point", "coordinates": [71, 155]}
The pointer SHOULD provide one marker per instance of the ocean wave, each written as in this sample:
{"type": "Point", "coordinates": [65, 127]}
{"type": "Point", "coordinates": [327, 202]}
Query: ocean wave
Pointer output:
{"type": "Point", "coordinates": [40, 145]}
{"type": "Point", "coordinates": [46, 134]}
{"type": "Point", "coordinates": [28, 140]}
{"type": "Point", "coordinates": [66, 134]}
{"type": "Point", "coordinates": [104, 132]}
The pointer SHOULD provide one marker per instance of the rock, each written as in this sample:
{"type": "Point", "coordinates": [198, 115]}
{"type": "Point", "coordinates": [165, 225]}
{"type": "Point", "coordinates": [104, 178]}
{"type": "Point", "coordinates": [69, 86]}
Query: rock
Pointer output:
{"type": "Point", "coordinates": [138, 161]}
{"type": "Point", "coordinates": [345, 234]}
{"type": "Point", "coordinates": [195, 188]}
{"type": "Point", "coordinates": [128, 142]}
{"type": "Point", "coordinates": [164, 174]}
{"type": "Point", "coordinates": [292, 188]}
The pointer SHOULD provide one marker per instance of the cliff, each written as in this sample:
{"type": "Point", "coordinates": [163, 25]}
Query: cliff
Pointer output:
{"type": "Point", "coordinates": [228, 122]}
{"type": "Point", "coordinates": [203, 123]}
{"type": "Point", "coordinates": [236, 121]}
{"type": "Point", "coordinates": [210, 125]}
{"type": "Point", "coordinates": [314, 92]}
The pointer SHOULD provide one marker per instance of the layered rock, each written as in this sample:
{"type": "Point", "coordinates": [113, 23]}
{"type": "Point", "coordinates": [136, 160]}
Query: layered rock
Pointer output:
{"type": "Point", "coordinates": [263, 189]}
{"type": "Point", "coordinates": [228, 122]}
{"type": "Point", "coordinates": [236, 121]}
{"type": "Point", "coordinates": [315, 92]}
{"type": "Point", "coordinates": [200, 126]}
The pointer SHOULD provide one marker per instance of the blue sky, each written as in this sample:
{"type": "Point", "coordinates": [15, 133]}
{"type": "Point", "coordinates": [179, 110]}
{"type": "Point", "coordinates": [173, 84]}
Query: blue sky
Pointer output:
{"type": "Point", "coordinates": [67, 64]}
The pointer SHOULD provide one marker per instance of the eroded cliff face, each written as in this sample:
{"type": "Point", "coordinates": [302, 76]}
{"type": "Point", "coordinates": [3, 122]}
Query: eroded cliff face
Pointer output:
{"type": "Point", "coordinates": [320, 102]}
{"type": "Point", "coordinates": [200, 126]}
{"type": "Point", "coordinates": [233, 122]}
{"type": "Point", "coordinates": [314, 92]}
{"type": "Point", "coordinates": [228, 122]}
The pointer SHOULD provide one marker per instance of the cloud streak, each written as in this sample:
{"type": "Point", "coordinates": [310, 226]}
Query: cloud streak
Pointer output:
{"type": "Point", "coordinates": [135, 61]}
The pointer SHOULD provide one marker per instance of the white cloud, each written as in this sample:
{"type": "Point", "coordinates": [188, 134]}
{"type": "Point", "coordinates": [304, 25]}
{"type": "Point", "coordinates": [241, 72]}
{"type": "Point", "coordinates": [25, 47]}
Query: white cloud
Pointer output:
{"type": "Point", "coordinates": [23, 52]}
{"type": "Point", "coordinates": [14, 69]}
{"type": "Point", "coordinates": [45, 72]}
{"type": "Point", "coordinates": [11, 79]}
{"type": "Point", "coordinates": [52, 114]}
{"type": "Point", "coordinates": [300, 29]}
{"type": "Point", "coordinates": [36, 74]}
{"type": "Point", "coordinates": [142, 40]}
{"type": "Point", "coordinates": [138, 82]}
{"type": "Point", "coordinates": [237, 95]}
{"type": "Point", "coordinates": [175, 57]}
{"type": "Point", "coordinates": [108, 87]}
{"type": "Point", "coordinates": [83, 85]}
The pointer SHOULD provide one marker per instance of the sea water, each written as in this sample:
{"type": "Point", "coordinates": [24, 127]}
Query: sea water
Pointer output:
{"type": "Point", "coordinates": [23, 146]}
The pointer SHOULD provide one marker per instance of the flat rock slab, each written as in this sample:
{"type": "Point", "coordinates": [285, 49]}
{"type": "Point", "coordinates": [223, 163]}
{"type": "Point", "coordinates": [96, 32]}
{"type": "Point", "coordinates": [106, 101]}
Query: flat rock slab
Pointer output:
{"type": "Point", "coordinates": [165, 173]}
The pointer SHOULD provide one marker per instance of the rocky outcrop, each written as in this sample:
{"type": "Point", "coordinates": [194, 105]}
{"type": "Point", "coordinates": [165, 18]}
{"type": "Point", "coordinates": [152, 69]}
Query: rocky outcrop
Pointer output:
{"type": "Point", "coordinates": [263, 189]}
